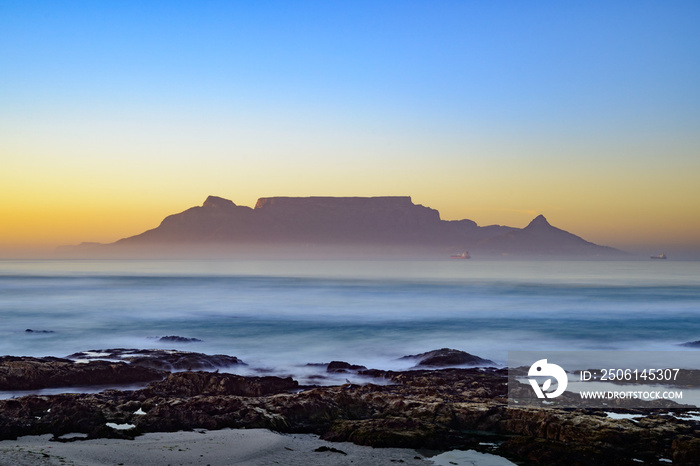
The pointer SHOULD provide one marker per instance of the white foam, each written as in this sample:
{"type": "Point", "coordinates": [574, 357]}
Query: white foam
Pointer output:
{"type": "Point", "coordinates": [73, 435]}
{"type": "Point", "coordinates": [623, 416]}
{"type": "Point", "coordinates": [120, 426]}
{"type": "Point", "coordinates": [689, 416]}
{"type": "Point", "coordinates": [469, 458]}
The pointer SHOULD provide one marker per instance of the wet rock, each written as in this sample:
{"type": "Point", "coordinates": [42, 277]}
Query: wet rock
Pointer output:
{"type": "Point", "coordinates": [343, 367]}
{"type": "Point", "coordinates": [178, 339]}
{"type": "Point", "coordinates": [692, 344]}
{"type": "Point", "coordinates": [26, 373]}
{"type": "Point", "coordinates": [447, 357]}
{"type": "Point", "coordinates": [168, 360]}
{"type": "Point", "coordinates": [437, 409]}
{"type": "Point", "coordinates": [686, 450]}
{"type": "Point", "coordinates": [189, 361]}
{"type": "Point", "coordinates": [183, 384]}
{"type": "Point", "coordinates": [29, 330]}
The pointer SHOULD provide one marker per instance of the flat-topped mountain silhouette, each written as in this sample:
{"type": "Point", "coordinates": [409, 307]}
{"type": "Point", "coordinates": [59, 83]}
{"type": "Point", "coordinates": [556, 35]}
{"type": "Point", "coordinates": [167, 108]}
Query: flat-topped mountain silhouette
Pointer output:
{"type": "Point", "coordinates": [372, 225]}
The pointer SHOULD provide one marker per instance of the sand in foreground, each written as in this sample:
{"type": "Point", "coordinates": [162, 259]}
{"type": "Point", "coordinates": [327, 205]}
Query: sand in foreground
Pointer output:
{"type": "Point", "coordinates": [221, 447]}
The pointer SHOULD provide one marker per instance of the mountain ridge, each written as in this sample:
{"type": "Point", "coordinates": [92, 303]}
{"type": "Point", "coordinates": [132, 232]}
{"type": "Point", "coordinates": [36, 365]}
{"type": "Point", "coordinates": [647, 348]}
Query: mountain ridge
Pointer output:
{"type": "Point", "coordinates": [376, 225]}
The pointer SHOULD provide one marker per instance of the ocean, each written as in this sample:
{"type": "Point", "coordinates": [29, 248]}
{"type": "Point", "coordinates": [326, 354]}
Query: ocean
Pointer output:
{"type": "Point", "coordinates": [279, 316]}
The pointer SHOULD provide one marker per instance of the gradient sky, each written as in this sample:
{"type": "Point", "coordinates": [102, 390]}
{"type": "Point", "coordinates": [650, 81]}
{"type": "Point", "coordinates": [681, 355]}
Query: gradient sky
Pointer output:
{"type": "Point", "coordinates": [116, 114]}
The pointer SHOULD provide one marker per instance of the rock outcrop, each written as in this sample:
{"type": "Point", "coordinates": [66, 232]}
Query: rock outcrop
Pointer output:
{"type": "Point", "coordinates": [437, 409]}
{"type": "Point", "coordinates": [186, 384]}
{"type": "Point", "coordinates": [178, 339]}
{"type": "Point", "coordinates": [26, 373]}
{"type": "Point", "coordinates": [164, 360]}
{"type": "Point", "coordinates": [447, 357]}
{"type": "Point", "coordinates": [344, 367]}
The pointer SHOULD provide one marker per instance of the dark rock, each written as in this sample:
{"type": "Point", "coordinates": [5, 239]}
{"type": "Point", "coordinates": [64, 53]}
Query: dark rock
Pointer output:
{"type": "Point", "coordinates": [447, 357]}
{"type": "Point", "coordinates": [686, 450]}
{"type": "Point", "coordinates": [26, 373]}
{"type": "Point", "coordinates": [206, 383]}
{"type": "Point", "coordinates": [190, 361]}
{"type": "Point", "coordinates": [177, 339]}
{"type": "Point", "coordinates": [39, 331]}
{"type": "Point", "coordinates": [342, 367]}
{"type": "Point", "coordinates": [169, 360]}
{"type": "Point", "coordinates": [434, 409]}
{"type": "Point", "coordinates": [692, 344]}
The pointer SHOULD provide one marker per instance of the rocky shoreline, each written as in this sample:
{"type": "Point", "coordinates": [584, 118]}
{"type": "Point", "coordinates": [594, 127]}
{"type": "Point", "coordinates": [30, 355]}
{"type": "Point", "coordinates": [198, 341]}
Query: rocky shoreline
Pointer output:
{"type": "Point", "coordinates": [441, 409]}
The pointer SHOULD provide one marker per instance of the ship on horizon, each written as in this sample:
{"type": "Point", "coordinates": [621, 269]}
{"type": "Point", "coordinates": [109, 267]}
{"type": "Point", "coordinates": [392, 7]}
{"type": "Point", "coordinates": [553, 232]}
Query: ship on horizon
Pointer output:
{"type": "Point", "coordinates": [464, 255]}
{"type": "Point", "coordinates": [660, 256]}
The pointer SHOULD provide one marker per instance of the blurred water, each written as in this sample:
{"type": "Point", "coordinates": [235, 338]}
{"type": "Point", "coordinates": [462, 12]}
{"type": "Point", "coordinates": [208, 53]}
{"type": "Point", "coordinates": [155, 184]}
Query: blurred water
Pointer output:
{"type": "Point", "coordinates": [285, 314]}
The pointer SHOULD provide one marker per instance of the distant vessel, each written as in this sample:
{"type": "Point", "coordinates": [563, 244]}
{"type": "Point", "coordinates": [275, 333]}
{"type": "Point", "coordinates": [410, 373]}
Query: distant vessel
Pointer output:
{"type": "Point", "coordinates": [660, 256]}
{"type": "Point", "coordinates": [464, 255]}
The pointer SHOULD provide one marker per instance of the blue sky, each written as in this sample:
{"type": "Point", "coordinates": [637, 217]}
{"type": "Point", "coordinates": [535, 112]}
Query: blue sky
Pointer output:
{"type": "Point", "coordinates": [515, 59]}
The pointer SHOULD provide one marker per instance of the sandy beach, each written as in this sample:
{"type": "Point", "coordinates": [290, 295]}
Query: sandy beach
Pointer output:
{"type": "Point", "coordinates": [221, 447]}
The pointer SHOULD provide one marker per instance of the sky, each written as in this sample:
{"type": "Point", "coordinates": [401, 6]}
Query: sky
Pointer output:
{"type": "Point", "coordinates": [114, 114]}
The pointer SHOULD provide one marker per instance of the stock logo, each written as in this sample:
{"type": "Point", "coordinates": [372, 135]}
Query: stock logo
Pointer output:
{"type": "Point", "coordinates": [542, 368]}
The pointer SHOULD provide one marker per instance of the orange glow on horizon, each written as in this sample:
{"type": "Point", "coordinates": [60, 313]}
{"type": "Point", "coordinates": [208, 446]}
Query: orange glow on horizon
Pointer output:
{"type": "Point", "coordinates": [54, 223]}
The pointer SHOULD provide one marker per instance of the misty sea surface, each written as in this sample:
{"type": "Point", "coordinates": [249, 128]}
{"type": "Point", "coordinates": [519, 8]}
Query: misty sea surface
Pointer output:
{"type": "Point", "coordinates": [282, 315]}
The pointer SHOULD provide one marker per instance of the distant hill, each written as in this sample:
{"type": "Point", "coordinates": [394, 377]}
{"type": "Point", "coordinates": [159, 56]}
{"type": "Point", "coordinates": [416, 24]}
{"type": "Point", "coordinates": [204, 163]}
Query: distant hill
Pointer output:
{"type": "Point", "coordinates": [541, 238]}
{"type": "Point", "coordinates": [317, 226]}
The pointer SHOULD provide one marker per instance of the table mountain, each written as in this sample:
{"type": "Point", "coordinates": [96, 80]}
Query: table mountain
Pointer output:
{"type": "Point", "coordinates": [315, 226]}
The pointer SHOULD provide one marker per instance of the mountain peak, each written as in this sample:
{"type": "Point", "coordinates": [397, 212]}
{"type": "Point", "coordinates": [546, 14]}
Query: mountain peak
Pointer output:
{"type": "Point", "coordinates": [215, 201]}
{"type": "Point", "coordinates": [539, 221]}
